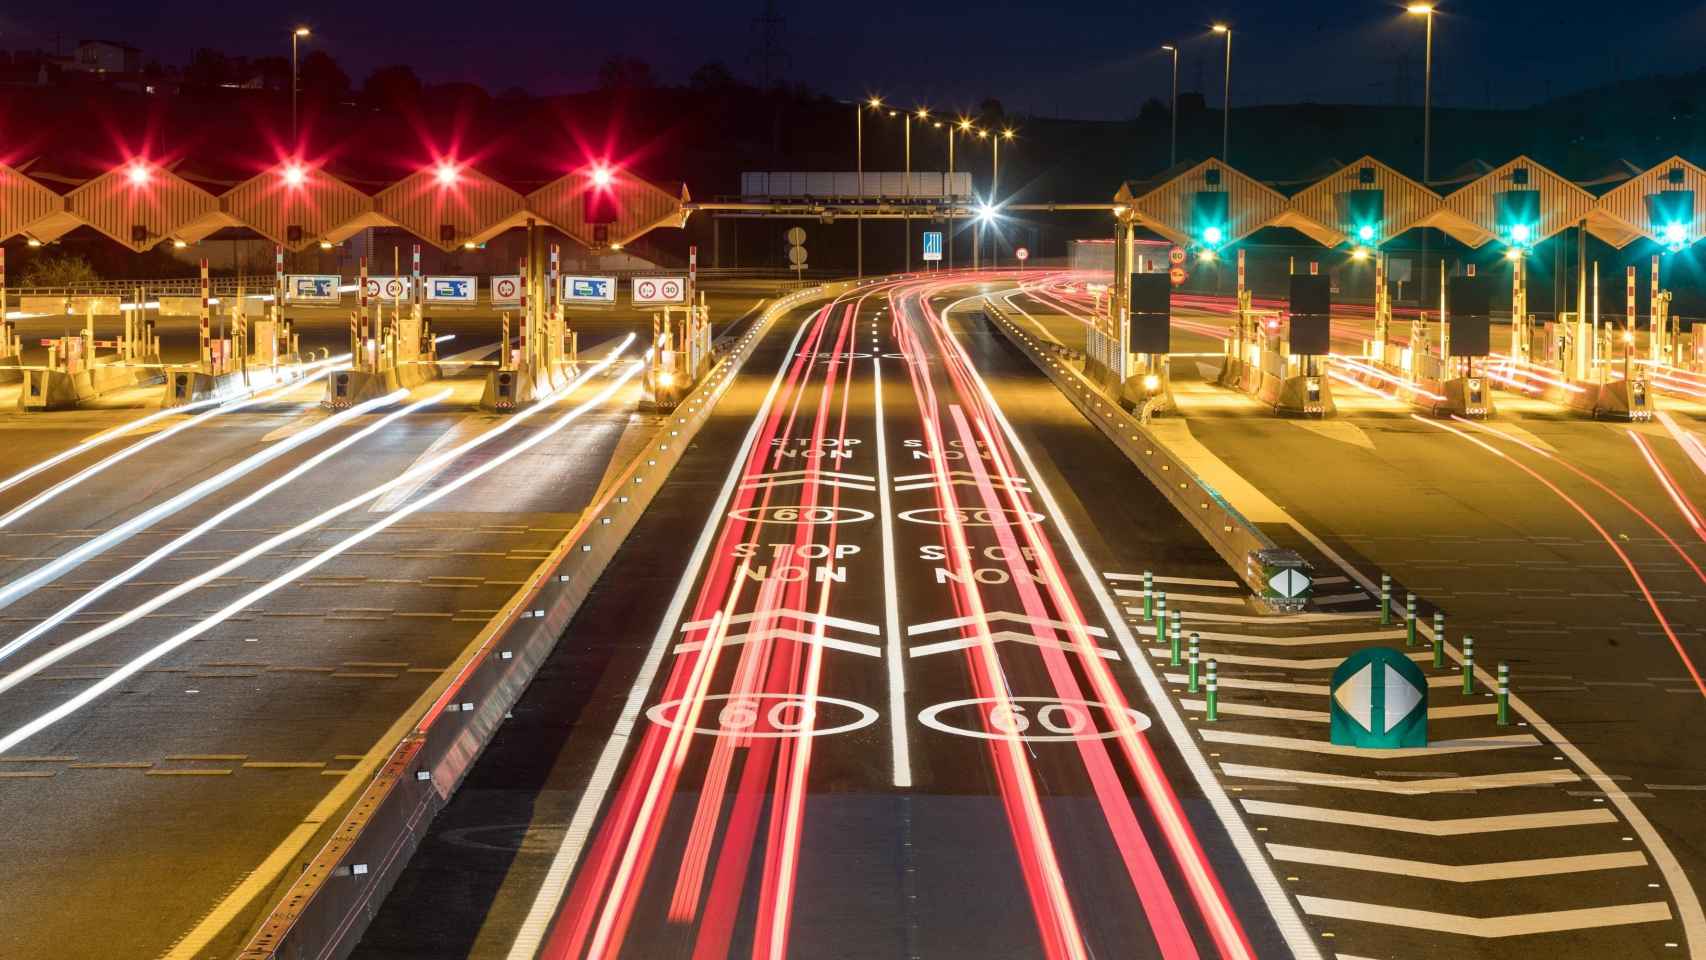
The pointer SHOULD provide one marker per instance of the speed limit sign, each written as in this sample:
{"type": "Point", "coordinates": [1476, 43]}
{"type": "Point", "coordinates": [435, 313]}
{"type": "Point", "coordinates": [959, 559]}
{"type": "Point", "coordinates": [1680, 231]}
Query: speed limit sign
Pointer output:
{"type": "Point", "coordinates": [1176, 255]}
{"type": "Point", "coordinates": [1178, 276]}
{"type": "Point", "coordinates": [1023, 253]}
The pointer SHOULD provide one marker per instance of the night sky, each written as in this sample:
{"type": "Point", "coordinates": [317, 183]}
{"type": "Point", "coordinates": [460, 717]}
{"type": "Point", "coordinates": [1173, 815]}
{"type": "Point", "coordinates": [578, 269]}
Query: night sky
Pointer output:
{"type": "Point", "coordinates": [1092, 60]}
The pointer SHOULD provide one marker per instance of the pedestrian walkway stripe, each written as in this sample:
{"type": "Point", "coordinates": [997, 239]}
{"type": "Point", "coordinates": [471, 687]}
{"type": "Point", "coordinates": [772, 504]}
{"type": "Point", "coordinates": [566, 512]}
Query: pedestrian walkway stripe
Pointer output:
{"type": "Point", "coordinates": [1472, 873]}
{"type": "Point", "coordinates": [1456, 827]}
{"type": "Point", "coordinates": [1516, 925]}
{"type": "Point", "coordinates": [1489, 781]}
{"type": "Point", "coordinates": [1435, 749]}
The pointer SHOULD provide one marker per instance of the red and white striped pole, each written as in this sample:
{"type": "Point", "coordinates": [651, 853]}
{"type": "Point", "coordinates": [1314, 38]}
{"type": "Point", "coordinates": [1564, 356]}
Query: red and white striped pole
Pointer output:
{"type": "Point", "coordinates": [525, 316]}
{"type": "Point", "coordinates": [1655, 336]}
{"type": "Point", "coordinates": [554, 298]}
{"type": "Point", "coordinates": [361, 301]}
{"type": "Point", "coordinates": [1240, 271]}
{"type": "Point", "coordinates": [5, 324]}
{"type": "Point", "coordinates": [206, 332]}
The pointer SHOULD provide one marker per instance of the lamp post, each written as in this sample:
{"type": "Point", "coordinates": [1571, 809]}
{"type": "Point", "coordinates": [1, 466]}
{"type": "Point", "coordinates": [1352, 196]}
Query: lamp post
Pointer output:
{"type": "Point", "coordinates": [994, 187]}
{"type": "Point", "coordinates": [923, 114]}
{"type": "Point", "coordinates": [963, 126]}
{"type": "Point", "coordinates": [874, 103]}
{"type": "Point", "coordinates": [295, 38]}
{"type": "Point", "coordinates": [1427, 10]}
{"type": "Point", "coordinates": [1173, 105]}
{"type": "Point", "coordinates": [1226, 96]}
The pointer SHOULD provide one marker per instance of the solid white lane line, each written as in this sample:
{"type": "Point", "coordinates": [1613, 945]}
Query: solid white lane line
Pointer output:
{"type": "Point", "coordinates": [135, 665]}
{"type": "Point", "coordinates": [1471, 873]}
{"type": "Point", "coordinates": [900, 748]}
{"type": "Point", "coordinates": [83, 640]}
{"type": "Point", "coordinates": [1456, 827]}
{"type": "Point", "coordinates": [95, 545]}
{"type": "Point", "coordinates": [112, 583]}
{"type": "Point", "coordinates": [1405, 788]}
{"type": "Point", "coordinates": [531, 933]}
{"type": "Point", "coordinates": [121, 455]}
{"type": "Point", "coordinates": [1434, 749]}
{"type": "Point", "coordinates": [1522, 924]}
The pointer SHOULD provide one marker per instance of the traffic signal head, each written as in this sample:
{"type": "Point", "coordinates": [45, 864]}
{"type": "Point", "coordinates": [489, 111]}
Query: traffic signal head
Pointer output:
{"type": "Point", "coordinates": [1675, 234]}
{"type": "Point", "coordinates": [1520, 233]}
{"type": "Point", "coordinates": [1212, 235]}
{"type": "Point", "coordinates": [1209, 217]}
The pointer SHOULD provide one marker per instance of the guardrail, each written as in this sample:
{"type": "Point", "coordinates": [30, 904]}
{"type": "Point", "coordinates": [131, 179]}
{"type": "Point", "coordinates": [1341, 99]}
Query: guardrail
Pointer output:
{"type": "Point", "coordinates": [325, 910]}
{"type": "Point", "coordinates": [1233, 536]}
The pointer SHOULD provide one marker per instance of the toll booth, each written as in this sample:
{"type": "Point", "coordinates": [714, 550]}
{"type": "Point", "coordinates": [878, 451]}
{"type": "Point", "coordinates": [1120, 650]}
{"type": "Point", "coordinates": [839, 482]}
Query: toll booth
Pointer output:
{"type": "Point", "coordinates": [1147, 384]}
{"type": "Point", "coordinates": [1305, 389]}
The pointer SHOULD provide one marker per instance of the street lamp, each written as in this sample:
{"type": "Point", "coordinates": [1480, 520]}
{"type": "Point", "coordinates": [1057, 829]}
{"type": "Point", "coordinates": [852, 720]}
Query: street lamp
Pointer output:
{"type": "Point", "coordinates": [923, 114]}
{"type": "Point", "coordinates": [1226, 95]}
{"type": "Point", "coordinates": [295, 38]}
{"type": "Point", "coordinates": [1173, 106]}
{"type": "Point", "coordinates": [873, 103]}
{"type": "Point", "coordinates": [1426, 10]}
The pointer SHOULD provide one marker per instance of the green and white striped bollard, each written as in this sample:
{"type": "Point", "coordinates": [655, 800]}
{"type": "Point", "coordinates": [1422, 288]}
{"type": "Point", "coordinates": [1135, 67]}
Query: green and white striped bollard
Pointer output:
{"type": "Point", "coordinates": [1468, 664]}
{"type": "Point", "coordinates": [1385, 599]}
{"type": "Point", "coordinates": [1160, 610]}
{"type": "Point", "coordinates": [1191, 685]}
{"type": "Point", "coordinates": [1409, 619]}
{"type": "Point", "coordinates": [1439, 639]}
{"type": "Point", "coordinates": [1175, 629]}
{"type": "Point", "coordinates": [1213, 692]}
{"type": "Point", "coordinates": [1148, 595]}
{"type": "Point", "coordinates": [1504, 694]}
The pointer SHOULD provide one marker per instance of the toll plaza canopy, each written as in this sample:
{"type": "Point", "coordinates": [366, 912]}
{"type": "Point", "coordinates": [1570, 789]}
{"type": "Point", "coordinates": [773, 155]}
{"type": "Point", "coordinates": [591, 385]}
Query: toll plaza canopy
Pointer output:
{"type": "Point", "coordinates": [152, 180]}
{"type": "Point", "coordinates": [1519, 203]}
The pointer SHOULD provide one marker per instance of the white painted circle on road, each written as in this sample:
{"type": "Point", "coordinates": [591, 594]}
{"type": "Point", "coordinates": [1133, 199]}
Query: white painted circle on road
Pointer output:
{"type": "Point", "coordinates": [767, 716]}
{"type": "Point", "coordinates": [796, 515]}
{"type": "Point", "coordinates": [1032, 719]}
{"type": "Point", "coordinates": [937, 517]}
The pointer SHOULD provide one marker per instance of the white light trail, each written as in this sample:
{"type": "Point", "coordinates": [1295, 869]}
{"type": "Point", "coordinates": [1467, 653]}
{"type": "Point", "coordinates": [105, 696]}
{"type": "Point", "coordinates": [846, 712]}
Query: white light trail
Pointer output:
{"type": "Point", "coordinates": [182, 637]}
{"type": "Point", "coordinates": [173, 546]}
{"type": "Point", "coordinates": [100, 438]}
{"type": "Point", "coordinates": [133, 615]}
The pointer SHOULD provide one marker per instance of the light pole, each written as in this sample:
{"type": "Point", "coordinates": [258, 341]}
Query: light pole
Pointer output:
{"type": "Point", "coordinates": [1173, 106]}
{"type": "Point", "coordinates": [1226, 96]}
{"type": "Point", "coordinates": [295, 38]}
{"type": "Point", "coordinates": [994, 188]}
{"type": "Point", "coordinates": [875, 103]}
{"type": "Point", "coordinates": [1427, 10]}
{"type": "Point", "coordinates": [923, 114]}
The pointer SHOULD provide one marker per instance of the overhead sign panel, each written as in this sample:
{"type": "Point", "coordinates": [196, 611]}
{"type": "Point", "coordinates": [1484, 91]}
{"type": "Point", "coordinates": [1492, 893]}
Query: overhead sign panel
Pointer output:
{"type": "Point", "coordinates": [932, 245]}
{"type": "Point", "coordinates": [452, 289]}
{"type": "Point", "coordinates": [589, 289]}
{"type": "Point", "coordinates": [659, 291]}
{"type": "Point", "coordinates": [506, 291]}
{"type": "Point", "coordinates": [313, 288]}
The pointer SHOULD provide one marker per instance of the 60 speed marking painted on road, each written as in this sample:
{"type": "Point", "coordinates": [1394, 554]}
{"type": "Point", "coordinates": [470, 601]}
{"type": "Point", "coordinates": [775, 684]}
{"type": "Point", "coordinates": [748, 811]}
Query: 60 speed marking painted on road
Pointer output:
{"type": "Point", "coordinates": [788, 715]}
{"type": "Point", "coordinates": [1064, 720]}
{"type": "Point", "coordinates": [968, 518]}
{"type": "Point", "coordinates": [792, 515]}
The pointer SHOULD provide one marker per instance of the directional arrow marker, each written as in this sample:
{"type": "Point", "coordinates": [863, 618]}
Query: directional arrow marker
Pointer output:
{"type": "Point", "coordinates": [1289, 583]}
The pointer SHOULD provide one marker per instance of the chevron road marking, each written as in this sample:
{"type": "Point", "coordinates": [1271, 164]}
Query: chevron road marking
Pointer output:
{"type": "Point", "coordinates": [1366, 636]}
{"type": "Point", "coordinates": [1186, 581]}
{"type": "Point", "coordinates": [1457, 827]}
{"type": "Point", "coordinates": [1320, 716]}
{"type": "Point", "coordinates": [804, 616]}
{"type": "Point", "coordinates": [734, 640]}
{"type": "Point", "coordinates": [1436, 749]}
{"type": "Point", "coordinates": [1473, 873]}
{"type": "Point", "coordinates": [1490, 781]}
{"type": "Point", "coordinates": [1205, 615]}
{"type": "Point", "coordinates": [1310, 689]}
{"type": "Point", "coordinates": [1279, 663]}
{"type": "Point", "coordinates": [964, 643]}
{"type": "Point", "coordinates": [1516, 925]}
{"type": "Point", "coordinates": [838, 474]}
{"type": "Point", "coordinates": [1194, 597]}
{"type": "Point", "coordinates": [937, 626]}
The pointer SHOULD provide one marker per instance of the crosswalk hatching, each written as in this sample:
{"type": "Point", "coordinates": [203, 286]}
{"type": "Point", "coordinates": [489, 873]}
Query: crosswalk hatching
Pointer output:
{"type": "Point", "coordinates": [1490, 831]}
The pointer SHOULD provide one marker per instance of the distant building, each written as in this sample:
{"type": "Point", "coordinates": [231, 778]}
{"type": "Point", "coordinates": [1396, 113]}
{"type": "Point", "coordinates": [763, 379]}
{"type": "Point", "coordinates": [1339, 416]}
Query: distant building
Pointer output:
{"type": "Point", "coordinates": [108, 56]}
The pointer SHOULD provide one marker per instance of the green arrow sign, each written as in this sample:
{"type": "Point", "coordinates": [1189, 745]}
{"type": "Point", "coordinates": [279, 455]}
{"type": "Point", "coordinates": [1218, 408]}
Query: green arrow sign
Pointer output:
{"type": "Point", "coordinates": [1379, 699]}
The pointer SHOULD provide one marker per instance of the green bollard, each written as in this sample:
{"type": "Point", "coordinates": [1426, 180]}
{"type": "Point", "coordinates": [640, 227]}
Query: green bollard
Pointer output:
{"type": "Point", "coordinates": [1213, 693]}
{"type": "Point", "coordinates": [1385, 599]}
{"type": "Point", "coordinates": [1439, 639]}
{"type": "Point", "coordinates": [1160, 611]}
{"type": "Point", "coordinates": [1174, 660]}
{"type": "Point", "coordinates": [1148, 595]}
{"type": "Point", "coordinates": [1176, 627]}
{"type": "Point", "coordinates": [1409, 619]}
{"type": "Point", "coordinates": [1504, 694]}
{"type": "Point", "coordinates": [1192, 685]}
{"type": "Point", "coordinates": [1468, 664]}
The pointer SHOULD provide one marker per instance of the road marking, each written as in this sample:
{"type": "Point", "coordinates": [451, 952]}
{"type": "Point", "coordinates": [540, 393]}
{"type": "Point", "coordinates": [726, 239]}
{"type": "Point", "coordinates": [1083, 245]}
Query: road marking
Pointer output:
{"type": "Point", "coordinates": [900, 747]}
{"type": "Point", "coordinates": [1489, 781]}
{"type": "Point", "coordinates": [1320, 716]}
{"type": "Point", "coordinates": [1193, 597]}
{"type": "Point", "coordinates": [966, 643]}
{"type": "Point", "coordinates": [1342, 598]}
{"type": "Point", "coordinates": [1515, 925]}
{"type": "Point", "coordinates": [1268, 621]}
{"type": "Point", "coordinates": [1472, 873]}
{"type": "Point", "coordinates": [736, 639]}
{"type": "Point", "coordinates": [801, 481]}
{"type": "Point", "coordinates": [1367, 636]}
{"type": "Point", "coordinates": [1280, 663]}
{"type": "Point", "coordinates": [1438, 748]}
{"type": "Point", "coordinates": [936, 626]}
{"type": "Point", "coordinates": [1308, 689]}
{"type": "Point", "coordinates": [531, 932]}
{"type": "Point", "coordinates": [804, 616]}
{"type": "Point", "coordinates": [1186, 581]}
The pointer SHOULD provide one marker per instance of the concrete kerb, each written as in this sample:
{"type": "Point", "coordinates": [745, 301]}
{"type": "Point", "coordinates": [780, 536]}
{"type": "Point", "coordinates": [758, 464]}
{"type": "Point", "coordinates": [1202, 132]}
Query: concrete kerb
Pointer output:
{"type": "Point", "coordinates": [1232, 535]}
{"type": "Point", "coordinates": [322, 912]}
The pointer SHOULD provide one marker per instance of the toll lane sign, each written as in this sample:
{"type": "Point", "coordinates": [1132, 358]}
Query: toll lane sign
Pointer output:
{"type": "Point", "coordinates": [1378, 699]}
{"type": "Point", "coordinates": [452, 289]}
{"type": "Point", "coordinates": [506, 290]}
{"type": "Point", "coordinates": [313, 288]}
{"type": "Point", "coordinates": [660, 290]}
{"type": "Point", "coordinates": [932, 245]}
{"type": "Point", "coordinates": [589, 289]}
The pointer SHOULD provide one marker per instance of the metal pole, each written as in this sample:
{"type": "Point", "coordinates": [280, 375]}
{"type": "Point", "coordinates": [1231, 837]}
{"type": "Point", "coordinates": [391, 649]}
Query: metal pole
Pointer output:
{"type": "Point", "coordinates": [1173, 111]}
{"type": "Point", "coordinates": [859, 165]}
{"type": "Point", "coordinates": [1428, 104]}
{"type": "Point", "coordinates": [908, 218]}
{"type": "Point", "coordinates": [1226, 105]}
{"type": "Point", "coordinates": [950, 197]}
{"type": "Point", "coordinates": [295, 38]}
